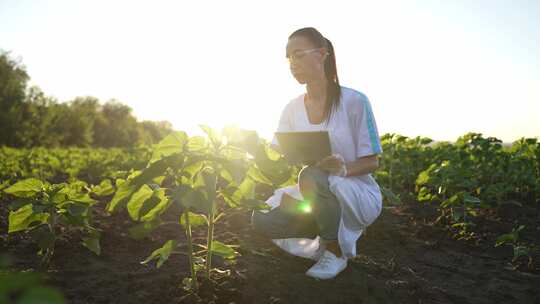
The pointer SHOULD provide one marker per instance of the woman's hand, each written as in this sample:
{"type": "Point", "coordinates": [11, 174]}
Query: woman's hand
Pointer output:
{"type": "Point", "coordinates": [333, 164]}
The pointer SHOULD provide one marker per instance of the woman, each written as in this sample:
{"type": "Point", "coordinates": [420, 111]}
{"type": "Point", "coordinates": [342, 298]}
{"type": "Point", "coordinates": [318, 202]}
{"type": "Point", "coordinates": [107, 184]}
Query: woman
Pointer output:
{"type": "Point", "coordinates": [344, 198]}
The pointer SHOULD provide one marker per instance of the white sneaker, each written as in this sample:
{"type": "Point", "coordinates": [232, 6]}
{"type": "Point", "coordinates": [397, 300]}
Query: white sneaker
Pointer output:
{"type": "Point", "coordinates": [316, 256]}
{"type": "Point", "coordinates": [328, 266]}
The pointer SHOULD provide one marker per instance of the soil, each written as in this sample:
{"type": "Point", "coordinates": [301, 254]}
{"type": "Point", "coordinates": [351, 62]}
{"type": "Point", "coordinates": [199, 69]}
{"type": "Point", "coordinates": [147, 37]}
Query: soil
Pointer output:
{"type": "Point", "coordinates": [403, 258]}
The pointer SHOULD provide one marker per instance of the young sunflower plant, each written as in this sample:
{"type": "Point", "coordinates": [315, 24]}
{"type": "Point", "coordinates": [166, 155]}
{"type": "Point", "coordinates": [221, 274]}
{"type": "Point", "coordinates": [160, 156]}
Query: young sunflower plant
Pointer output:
{"type": "Point", "coordinates": [204, 177]}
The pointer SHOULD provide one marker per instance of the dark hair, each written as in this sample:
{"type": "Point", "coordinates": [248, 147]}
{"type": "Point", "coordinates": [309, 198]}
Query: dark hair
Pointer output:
{"type": "Point", "coordinates": [333, 89]}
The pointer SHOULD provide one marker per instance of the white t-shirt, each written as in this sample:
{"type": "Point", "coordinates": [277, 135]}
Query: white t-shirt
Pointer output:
{"type": "Point", "coordinates": [353, 133]}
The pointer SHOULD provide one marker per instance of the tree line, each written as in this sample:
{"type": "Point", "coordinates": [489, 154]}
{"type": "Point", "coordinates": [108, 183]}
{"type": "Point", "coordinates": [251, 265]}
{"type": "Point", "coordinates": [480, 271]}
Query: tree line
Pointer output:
{"type": "Point", "coordinates": [29, 118]}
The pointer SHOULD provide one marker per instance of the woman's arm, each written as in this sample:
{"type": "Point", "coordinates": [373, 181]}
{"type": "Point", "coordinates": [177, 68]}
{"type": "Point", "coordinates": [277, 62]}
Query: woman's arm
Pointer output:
{"type": "Point", "coordinates": [360, 166]}
{"type": "Point", "coordinates": [363, 165]}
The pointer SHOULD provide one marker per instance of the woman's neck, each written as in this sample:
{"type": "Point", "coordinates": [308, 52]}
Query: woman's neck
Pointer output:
{"type": "Point", "coordinates": [316, 92]}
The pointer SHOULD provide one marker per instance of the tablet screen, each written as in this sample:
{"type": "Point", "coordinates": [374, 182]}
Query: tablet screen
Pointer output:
{"type": "Point", "coordinates": [304, 147]}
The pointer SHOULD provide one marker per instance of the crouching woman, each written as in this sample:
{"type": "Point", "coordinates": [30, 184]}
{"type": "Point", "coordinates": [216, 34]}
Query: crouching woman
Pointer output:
{"type": "Point", "coordinates": [326, 212]}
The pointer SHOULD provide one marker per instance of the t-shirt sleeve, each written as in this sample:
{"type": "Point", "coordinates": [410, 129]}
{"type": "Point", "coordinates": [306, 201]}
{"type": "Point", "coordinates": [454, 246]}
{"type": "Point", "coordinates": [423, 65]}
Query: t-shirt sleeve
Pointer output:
{"type": "Point", "coordinates": [367, 138]}
{"type": "Point", "coordinates": [284, 124]}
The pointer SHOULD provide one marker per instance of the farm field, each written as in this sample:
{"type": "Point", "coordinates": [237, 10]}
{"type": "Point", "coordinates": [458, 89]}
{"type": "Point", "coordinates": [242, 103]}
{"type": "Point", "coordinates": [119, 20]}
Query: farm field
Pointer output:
{"type": "Point", "coordinates": [459, 224]}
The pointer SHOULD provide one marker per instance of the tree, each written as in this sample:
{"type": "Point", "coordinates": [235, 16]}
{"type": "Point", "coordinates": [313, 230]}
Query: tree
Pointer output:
{"type": "Point", "coordinates": [13, 81]}
{"type": "Point", "coordinates": [40, 116]}
{"type": "Point", "coordinates": [116, 127]}
{"type": "Point", "coordinates": [152, 132]}
{"type": "Point", "coordinates": [76, 121]}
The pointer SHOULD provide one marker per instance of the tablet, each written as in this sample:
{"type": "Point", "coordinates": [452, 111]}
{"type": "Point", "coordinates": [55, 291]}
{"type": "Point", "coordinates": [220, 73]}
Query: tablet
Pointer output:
{"type": "Point", "coordinates": [304, 147]}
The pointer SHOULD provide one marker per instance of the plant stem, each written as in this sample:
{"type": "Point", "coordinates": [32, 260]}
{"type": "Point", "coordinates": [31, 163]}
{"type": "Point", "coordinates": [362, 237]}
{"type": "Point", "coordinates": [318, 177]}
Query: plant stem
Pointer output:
{"type": "Point", "coordinates": [209, 242]}
{"type": "Point", "coordinates": [210, 233]}
{"type": "Point", "coordinates": [52, 228]}
{"type": "Point", "coordinates": [190, 251]}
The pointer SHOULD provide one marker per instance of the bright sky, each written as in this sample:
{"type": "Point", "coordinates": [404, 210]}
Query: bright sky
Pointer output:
{"type": "Point", "coordinates": [431, 68]}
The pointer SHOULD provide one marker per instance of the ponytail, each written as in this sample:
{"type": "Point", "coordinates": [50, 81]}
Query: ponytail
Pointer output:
{"type": "Point", "coordinates": [333, 89]}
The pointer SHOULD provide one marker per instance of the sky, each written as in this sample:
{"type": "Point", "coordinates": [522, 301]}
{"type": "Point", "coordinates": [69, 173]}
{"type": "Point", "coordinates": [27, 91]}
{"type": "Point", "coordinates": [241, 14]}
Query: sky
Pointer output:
{"type": "Point", "coordinates": [429, 68]}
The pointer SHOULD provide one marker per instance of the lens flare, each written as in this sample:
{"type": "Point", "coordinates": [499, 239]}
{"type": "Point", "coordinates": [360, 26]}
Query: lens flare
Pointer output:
{"type": "Point", "coordinates": [304, 207]}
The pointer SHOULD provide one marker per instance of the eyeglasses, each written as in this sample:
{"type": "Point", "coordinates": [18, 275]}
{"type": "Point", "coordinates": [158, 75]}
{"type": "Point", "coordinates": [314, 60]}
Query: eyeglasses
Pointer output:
{"type": "Point", "coordinates": [300, 54]}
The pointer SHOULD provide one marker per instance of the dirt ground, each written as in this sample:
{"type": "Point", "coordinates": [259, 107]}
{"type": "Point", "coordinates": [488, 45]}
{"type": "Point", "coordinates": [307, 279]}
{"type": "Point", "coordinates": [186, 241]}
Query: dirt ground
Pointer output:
{"type": "Point", "coordinates": [403, 258]}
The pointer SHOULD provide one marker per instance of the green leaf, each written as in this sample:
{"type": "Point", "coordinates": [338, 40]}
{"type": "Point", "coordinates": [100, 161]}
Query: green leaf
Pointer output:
{"type": "Point", "coordinates": [278, 172]}
{"type": "Point", "coordinates": [4, 184]}
{"type": "Point", "coordinates": [171, 144]}
{"type": "Point", "coordinates": [505, 238]}
{"type": "Point", "coordinates": [194, 220]}
{"type": "Point", "coordinates": [256, 174]}
{"type": "Point", "coordinates": [210, 179]}
{"type": "Point", "coordinates": [193, 166]}
{"type": "Point", "coordinates": [244, 194]}
{"type": "Point", "coordinates": [233, 134]}
{"type": "Point", "coordinates": [154, 170]}
{"type": "Point", "coordinates": [223, 250]}
{"type": "Point", "coordinates": [137, 200]}
{"type": "Point", "coordinates": [23, 217]}
{"type": "Point", "coordinates": [453, 200]}
{"type": "Point", "coordinates": [197, 144]}
{"type": "Point", "coordinates": [469, 199]}
{"type": "Point", "coordinates": [161, 206]}
{"type": "Point", "coordinates": [204, 183]}
{"type": "Point", "coordinates": [92, 243]}
{"type": "Point", "coordinates": [25, 188]}
{"type": "Point", "coordinates": [226, 175]}
{"type": "Point", "coordinates": [212, 135]}
{"type": "Point", "coordinates": [162, 254]}
{"type": "Point", "coordinates": [125, 189]}
{"type": "Point", "coordinates": [77, 209]}
{"type": "Point", "coordinates": [194, 199]}
{"type": "Point", "coordinates": [423, 178]}
{"type": "Point", "coordinates": [144, 229]}
{"type": "Point", "coordinates": [246, 139]}
{"type": "Point", "coordinates": [424, 195]}
{"type": "Point", "coordinates": [272, 154]}
{"type": "Point", "coordinates": [104, 188]}
{"type": "Point", "coordinates": [246, 190]}
{"type": "Point", "coordinates": [83, 198]}
{"type": "Point", "coordinates": [233, 153]}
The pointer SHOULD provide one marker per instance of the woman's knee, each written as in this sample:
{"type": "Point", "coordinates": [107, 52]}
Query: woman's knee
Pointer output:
{"type": "Point", "coordinates": [311, 178]}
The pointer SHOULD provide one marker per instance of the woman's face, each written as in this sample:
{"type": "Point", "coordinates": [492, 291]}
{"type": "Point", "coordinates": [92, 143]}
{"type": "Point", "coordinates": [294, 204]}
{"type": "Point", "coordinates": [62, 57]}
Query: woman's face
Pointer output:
{"type": "Point", "coordinates": [305, 61]}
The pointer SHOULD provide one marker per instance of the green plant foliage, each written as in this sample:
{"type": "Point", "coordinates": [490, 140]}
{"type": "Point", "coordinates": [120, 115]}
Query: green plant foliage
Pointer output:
{"type": "Point", "coordinates": [198, 180]}
{"type": "Point", "coordinates": [195, 220]}
{"type": "Point", "coordinates": [162, 254]}
{"type": "Point", "coordinates": [223, 250]}
{"type": "Point", "coordinates": [105, 188]}
{"type": "Point", "coordinates": [137, 200]}
{"type": "Point", "coordinates": [25, 188]}
{"type": "Point", "coordinates": [196, 174]}
{"type": "Point", "coordinates": [172, 144]}
{"type": "Point", "coordinates": [21, 218]}
{"type": "Point", "coordinates": [49, 212]}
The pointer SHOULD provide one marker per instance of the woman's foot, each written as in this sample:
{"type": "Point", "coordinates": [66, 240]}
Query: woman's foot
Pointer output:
{"type": "Point", "coordinates": [319, 252]}
{"type": "Point", "coordinates": [328, 266]}
{"type": "Point", "coordinates": [333, 246]}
